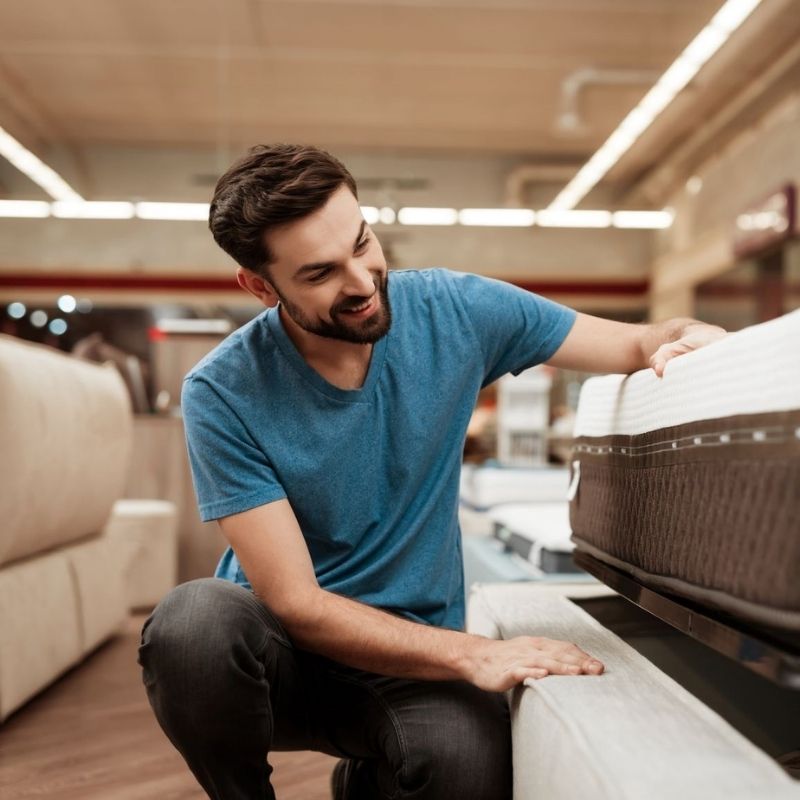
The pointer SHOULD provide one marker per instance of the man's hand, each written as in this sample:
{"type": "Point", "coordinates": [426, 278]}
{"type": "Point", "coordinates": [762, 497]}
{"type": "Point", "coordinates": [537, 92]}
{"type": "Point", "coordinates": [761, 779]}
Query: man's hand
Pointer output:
{"type": "Point", "coordinates": [496, 666]}
{"type": "Point", "coordinates": [694, 336]}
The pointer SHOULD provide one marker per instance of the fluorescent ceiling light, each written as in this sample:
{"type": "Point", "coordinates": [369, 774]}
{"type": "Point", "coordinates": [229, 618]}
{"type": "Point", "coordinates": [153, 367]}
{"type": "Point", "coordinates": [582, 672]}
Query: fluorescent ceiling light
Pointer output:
{"type": "Point", "coordinates": [24, 208]}
{"type": "Point", "coordinates": [704, 45]}
{"type": "Point", "coordinates": [732, 14]}
{"type": "Point", "coordinates": [68, 209]}
{"type": "Point", "coordinates": [67, 303]}
{"type": "Point", "coordinates": [427, 216]}
{"type": "Point", "coordinates": [387, 216]}
{"type": "Point", "coordinates": [173, 211]}
{"type": "Point", "coordinates": [27, 163]}
{"type": "Point", "coordinates": [652, 220]}
{"type": "Point", "coordinates": [490, 217]}
{"type": "Point", "coordinates": [677, 76]}
{"type": "Point", "coordinates": [371, 214]}
{"type": "Point", "coordinates": [574, 219]}
{"type": "Point", "coordinates": [195, 326]}
{"type": "Point", "coordinates": [498, 217]}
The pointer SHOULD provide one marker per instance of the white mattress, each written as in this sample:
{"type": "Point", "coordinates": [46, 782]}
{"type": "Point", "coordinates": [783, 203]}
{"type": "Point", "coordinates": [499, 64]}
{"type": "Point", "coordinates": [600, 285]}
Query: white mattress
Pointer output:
{"type": "Point", "coordinates": [756, 370]}
{"type": "Point", "coordinates": [546, 524]}
{"type": "Point", "coordinates": [690, 482]}
{"type": "Point", "coordinates": [483, 487]}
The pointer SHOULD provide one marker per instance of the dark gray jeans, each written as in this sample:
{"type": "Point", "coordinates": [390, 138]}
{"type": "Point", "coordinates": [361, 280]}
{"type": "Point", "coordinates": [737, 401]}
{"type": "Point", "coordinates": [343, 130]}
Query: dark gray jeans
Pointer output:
{"type": "Point", "coordinates": [228, 687]}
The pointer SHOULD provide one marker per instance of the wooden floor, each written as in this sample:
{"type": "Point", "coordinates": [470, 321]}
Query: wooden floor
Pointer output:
{"type": "Point", "coordinates": [92, 736]}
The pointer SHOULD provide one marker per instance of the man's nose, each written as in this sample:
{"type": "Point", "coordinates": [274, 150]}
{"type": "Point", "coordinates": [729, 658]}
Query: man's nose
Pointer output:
{"type": "Point", "coordinates": [359, 281]}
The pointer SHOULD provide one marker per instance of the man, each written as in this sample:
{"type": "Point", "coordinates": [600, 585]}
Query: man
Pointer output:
{"type": "Point", "coordinates": [325, 437]}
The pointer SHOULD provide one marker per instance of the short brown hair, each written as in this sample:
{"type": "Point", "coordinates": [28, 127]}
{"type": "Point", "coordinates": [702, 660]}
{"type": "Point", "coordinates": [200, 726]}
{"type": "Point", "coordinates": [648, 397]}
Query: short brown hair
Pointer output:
{"type": "Point", "coordinates": [269, 186]}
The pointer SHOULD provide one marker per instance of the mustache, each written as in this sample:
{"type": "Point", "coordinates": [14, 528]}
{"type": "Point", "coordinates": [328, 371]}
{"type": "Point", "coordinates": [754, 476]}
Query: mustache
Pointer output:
{"type": "Point", "coordinates": [354, 302]}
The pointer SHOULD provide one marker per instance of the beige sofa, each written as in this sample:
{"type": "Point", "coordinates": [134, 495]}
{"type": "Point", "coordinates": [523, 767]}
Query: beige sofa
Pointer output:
{"type": "Point", "coordinates": [65, 438]}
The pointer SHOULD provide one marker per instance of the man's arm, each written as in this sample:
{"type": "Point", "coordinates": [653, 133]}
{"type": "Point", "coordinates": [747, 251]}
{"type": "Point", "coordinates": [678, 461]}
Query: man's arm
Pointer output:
{"type": "Point", "coordinates": [270, 546]}
{"type": "Point", "coordinates": [601, 345]}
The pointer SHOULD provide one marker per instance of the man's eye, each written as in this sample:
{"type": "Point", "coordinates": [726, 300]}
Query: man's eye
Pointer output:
{"type": "Point", "coordinates": [319, 276]}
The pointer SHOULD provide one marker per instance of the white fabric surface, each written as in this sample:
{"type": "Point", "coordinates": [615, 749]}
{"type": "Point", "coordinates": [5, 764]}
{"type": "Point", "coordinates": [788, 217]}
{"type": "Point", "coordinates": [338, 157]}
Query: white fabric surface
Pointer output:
{"type": "Point", "coordinates": [65, 433]}
{"type": "Point", "coordinates": [39, 627]}
{"type": "Point", "coordinates": [65, 436]}
{"type": "Point", "coordinates": [147, 530]}
{"type": "Point", "coordinates": [484, 486]}
{"type": "Point", "coordinates": [97, 569]}
{"type": "Point", "coordinates": [629, 734]}
{"type": "Point", "coordinates": [546, 524]}
{"type": "Point", "coordinates": [756, 370]}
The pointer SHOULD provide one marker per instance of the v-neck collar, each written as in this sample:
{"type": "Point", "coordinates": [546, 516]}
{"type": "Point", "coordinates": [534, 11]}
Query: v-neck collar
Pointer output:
{"type": "Point", "coordinates": [313, 377]}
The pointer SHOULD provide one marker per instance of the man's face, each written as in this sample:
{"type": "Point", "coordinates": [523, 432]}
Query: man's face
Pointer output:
{"type": "Point", "coordinates": [329, 273]}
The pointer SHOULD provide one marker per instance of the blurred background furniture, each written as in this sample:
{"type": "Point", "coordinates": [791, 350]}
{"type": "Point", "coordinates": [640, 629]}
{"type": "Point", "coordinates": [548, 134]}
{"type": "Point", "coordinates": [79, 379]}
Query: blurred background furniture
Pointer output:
{"type": "Point", "coordinates": [65, 440]}
{"type": "Point", "coordinates": [147, 530]}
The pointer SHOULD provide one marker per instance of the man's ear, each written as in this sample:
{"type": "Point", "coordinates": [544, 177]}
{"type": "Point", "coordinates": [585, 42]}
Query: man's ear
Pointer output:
{"type": "Point", "coordinates": [259, 287]}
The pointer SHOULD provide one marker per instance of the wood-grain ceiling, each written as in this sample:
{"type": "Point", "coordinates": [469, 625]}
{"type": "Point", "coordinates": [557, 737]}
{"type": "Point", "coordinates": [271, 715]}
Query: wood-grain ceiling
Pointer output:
{"type": "Point", "coordinates": [401, 75]}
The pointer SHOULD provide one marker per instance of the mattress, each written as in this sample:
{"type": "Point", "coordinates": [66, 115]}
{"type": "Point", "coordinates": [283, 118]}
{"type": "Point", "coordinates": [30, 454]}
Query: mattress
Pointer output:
{"type": "Point", "coordinates": [538, 532]}
{"type": "Point", "coordinates": [691, 483]}
{"type": "Point", "coordinates": [629, 734]}
{"type": "Point", "coordinates": [485, 486]}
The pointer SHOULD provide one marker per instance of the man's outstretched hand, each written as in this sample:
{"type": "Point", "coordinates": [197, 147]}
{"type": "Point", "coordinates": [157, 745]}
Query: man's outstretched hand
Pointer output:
{"type": "Point", "coordinates": [694, 336]}
{"type": "Point", "coordinates": [496, 666]}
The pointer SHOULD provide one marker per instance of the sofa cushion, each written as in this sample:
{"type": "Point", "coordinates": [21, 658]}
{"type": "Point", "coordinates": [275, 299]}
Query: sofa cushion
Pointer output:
{"type": "Point", "coordinates": [147, 530]}
{"type": "Point", "coordinates": [65, 434]}
{"type": "Point", "coordinates": [39, 627]}
{"type": "Point", "coordinates": [98, 572]}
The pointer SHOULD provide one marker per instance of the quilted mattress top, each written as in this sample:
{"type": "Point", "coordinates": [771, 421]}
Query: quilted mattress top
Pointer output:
{"type": "Point", "coordinates": [756, 370]}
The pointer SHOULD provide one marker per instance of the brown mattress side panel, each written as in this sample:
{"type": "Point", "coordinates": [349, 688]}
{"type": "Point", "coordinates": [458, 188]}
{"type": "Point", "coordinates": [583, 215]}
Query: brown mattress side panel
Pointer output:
{"type": "Point", "coordinates": [724, 518]}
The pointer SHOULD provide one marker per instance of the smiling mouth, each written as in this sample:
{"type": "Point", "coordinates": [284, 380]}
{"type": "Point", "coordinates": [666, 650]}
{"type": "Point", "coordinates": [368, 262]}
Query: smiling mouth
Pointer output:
{"type": "Point", "coordinates": [359, 309]}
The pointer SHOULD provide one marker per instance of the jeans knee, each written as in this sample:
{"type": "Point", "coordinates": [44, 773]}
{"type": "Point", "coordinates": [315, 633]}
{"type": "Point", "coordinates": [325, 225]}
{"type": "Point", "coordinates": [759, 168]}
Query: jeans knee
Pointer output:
{"type": "Point", "coordinates": [467, 755]}
{"type": "Point", "coordinates": [199, 630]}
{"type": "Point", "coordinates": [482, 772]}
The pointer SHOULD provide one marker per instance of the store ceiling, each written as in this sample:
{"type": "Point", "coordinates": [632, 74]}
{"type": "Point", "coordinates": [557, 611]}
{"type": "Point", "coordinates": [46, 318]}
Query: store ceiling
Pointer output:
{"type": "Point", "coordinates": [426, 76]}
{"type": "Point", "coordinates": [440, 74]}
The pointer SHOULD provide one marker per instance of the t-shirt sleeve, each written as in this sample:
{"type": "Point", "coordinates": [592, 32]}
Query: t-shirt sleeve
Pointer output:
{"type": "Point", "coordinates": [516, 329]}
{"type": "Point", "coordinates": [230, 472]}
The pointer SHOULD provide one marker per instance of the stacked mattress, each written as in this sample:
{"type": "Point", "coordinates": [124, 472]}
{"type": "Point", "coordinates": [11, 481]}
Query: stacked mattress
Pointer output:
{"type": "Point", "coordinates": [691, 482]}
{"type": "Point", "coordinates": [485, 486]}
{"type": "Point", "coordinates": [539, 533]}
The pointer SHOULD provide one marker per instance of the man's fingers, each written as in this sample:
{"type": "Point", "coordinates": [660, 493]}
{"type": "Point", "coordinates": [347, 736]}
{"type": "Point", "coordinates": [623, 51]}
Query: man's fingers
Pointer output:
{"type": "Point", "coordinates": [523, 673]}
{"type": "Point", "coordinates": [587, 666]}
{"type": "Point", "coordinates": [564, 651]}
{"type": "Point", "coordinates": [670, 350]}
{"type": "Point", "coordinates": [593, 667]}
{"type": "Point", "coordinates": [556, 667]}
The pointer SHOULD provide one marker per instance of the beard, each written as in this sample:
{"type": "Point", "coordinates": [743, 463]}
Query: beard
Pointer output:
{"type": "Point", "coordinates": [366, 331]}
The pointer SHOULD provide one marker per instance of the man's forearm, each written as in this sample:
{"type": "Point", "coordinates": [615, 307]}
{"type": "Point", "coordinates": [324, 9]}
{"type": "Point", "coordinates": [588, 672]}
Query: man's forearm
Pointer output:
{"type": "Point", "coordinates": [368, 638]}
{"type": "Point", "coordinates": [601, 345]}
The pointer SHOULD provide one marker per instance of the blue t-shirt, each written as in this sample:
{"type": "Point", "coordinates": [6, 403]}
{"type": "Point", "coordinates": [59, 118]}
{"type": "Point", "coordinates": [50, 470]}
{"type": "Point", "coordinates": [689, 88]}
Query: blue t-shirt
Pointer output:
{"type": "Point", "coordinates": [372, 474]}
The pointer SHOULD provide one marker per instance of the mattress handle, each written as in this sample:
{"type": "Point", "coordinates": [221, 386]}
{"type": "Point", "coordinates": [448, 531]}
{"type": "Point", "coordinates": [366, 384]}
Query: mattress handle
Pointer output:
{"type": "Point", "coordinates": [572, 490]}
